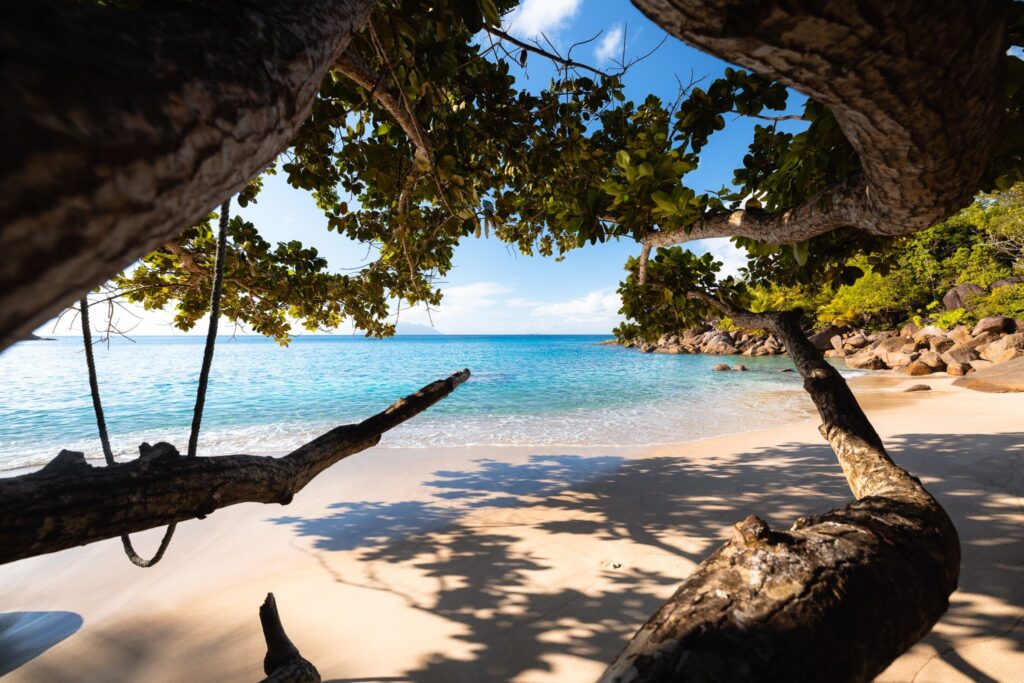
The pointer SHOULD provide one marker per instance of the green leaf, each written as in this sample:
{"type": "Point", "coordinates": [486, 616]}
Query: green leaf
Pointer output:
{"type": "Point", "coordinates": [664, 202]}
{"type": "Point", "coordinates": [800, 252]}
{"type": "Point", "coordinates": [490, 12]}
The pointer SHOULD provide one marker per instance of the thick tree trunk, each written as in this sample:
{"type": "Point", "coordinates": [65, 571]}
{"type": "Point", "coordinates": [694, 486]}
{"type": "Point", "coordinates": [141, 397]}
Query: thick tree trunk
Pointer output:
{"type": "Point", "coordinates": [124, 127]}
{"type": "Point", "coordinates": [916, 87]}
{"type": "Point", "coordinates": [70, 503]}
{"type": "Point", "coordinates": [838, 596]}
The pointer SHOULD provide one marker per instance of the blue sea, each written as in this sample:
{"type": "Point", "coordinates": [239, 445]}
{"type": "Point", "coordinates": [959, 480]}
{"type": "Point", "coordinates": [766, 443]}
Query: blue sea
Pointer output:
{"type": "Point", "coordinates": [540, 391]}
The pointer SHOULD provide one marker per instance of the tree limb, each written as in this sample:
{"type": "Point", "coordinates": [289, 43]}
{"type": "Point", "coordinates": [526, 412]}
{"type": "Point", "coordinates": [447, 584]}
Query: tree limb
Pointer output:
{"type": "Point", "coordinates": [537, 50]}
{"type": "Point", "coordinates": [123, 127]}
{"type": "Point", "coordinates": [359, 72]}
{"type": "Point", "coordinates": [282, 663]}
{"type": "Point", "coordinates": [838, 596]}
{"type": "Point", "coordinates": [70, 503]}
{"type": "Point", "coordinates": [916, 89]}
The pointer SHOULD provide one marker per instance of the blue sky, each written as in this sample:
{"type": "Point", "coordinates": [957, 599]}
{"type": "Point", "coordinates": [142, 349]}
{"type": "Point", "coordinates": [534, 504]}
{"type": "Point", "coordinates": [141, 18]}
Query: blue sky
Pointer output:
{"type": "Point", "coordinates": [493, 289]}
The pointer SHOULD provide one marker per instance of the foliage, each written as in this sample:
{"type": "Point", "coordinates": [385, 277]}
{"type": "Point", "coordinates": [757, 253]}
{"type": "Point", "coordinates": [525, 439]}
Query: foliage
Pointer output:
{"type": "Point", "coordinates": [422, 136]}
{"type": "Point", "coordinates": [776, 297]}
{"type": "Point", "coordinates": [445, 145]}
{"type": "Point", "coordinates": [911, 274]}
{"type": "Point", "coordinates": [662, 306]}
{"type": "Point", "coordinates": [947, 320]}
{"type": "Point", "coordinates": [1008, 301]}
{"type": "Point", "coordinates": [871, 297]}
{"type": "Point", "coordinates": [906, 278]}
{"type": "Point", "coordinates": [264, 285]}
{"type": "Point", "coordinates": [627, 331]}
{"type": "Point", "coordinates": [726, 324]}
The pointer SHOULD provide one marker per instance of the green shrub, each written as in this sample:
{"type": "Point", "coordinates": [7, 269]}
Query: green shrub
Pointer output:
{"type": "Point", "coordinates": [726, 324]}
{"type": "Point", "coordinates": [871, 297]}
{"type": "Point", "coordinates": [978, 264]}
{"type": "Point", "coordinates": [1008, 301]}
{"type": "Point", "coordinates": [781, 298]}
{"type": "Point", "coordinates": [947, 320]}
{"type": "Point", "coordinates": [627, 332]}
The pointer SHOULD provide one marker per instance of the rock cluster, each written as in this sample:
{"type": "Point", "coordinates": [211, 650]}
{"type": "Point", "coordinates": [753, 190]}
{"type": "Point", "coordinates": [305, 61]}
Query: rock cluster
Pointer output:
{"type": "Point", "coordinates": [924, 351]}
{"type": "Point", "coordinates": [911, 350]}
{"type": "Point", "coordinates": [715, 342]}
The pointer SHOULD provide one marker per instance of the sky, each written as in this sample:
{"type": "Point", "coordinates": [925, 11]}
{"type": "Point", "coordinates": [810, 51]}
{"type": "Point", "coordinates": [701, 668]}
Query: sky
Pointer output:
{"type": "Point", "coordinates": [492, 289]}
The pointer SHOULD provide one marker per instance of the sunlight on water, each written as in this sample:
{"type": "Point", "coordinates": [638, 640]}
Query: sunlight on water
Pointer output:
{"type": "Point", "coordinates": [533, 390]}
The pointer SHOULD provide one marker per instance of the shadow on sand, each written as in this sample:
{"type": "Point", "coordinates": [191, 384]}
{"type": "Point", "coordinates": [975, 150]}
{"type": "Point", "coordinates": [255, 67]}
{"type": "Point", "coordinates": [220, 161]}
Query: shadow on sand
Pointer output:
{"type": "Point", "coordinates": [486, 581]}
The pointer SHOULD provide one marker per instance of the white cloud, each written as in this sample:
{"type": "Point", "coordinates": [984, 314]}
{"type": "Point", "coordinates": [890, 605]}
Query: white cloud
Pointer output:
{"type": "Point", "coordinates": [731, 256]}
{"type": "Point", "coordinates": [462, 303]}
{"type": "Point", "coordinates": [484, 308]}
{"type": "Point", "coordinates": [610, 45]}
{"type": "Point", "coordinates": [517, 302]}
{"type": "Point", "coordinates": [534, 17]}
{"type": "Point", "coordinates": [596, 305]}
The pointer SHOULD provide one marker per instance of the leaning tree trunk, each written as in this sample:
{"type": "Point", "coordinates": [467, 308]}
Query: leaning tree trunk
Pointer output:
{"type": "Point", "coordinates": [123, 127]}
{"type": "Point", "coordinates": [70, 502]}
{"type": "Point", "coordinates": [838, 596]}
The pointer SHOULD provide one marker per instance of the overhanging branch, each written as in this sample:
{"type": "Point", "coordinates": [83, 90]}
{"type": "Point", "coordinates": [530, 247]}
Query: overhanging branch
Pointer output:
{"type": "Point", "coordinates": [919, 99]}
{"type": "Point", "coordinates": [70, 502]}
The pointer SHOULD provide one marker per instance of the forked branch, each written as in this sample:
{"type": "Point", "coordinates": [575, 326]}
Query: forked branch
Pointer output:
{"type": "Point", "coordinates": [566, 62]}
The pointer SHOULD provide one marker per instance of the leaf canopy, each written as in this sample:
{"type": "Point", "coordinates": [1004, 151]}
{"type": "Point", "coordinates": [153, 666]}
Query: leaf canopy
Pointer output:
{"type": "Point", "coordinates": [423, 136]}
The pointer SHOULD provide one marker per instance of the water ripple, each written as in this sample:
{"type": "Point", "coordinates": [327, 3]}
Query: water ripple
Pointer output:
{"type": "Point", "coordinates": [534, 390]}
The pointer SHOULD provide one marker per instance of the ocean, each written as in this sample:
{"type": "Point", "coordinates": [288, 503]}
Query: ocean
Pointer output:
{"type": "Point", "coordinates": [263, 398]}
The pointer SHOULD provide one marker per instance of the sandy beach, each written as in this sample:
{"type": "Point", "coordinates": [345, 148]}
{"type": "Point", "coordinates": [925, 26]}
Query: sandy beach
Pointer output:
{"type": "Point", "coordinates": [514, 564]}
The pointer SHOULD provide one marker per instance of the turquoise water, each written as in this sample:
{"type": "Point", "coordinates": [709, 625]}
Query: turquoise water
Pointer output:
{"type": "Point", "coordinates": [529, 390]}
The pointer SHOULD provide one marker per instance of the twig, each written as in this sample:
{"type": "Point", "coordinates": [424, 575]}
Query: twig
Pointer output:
{"type": "Point", "coordinates": [536, 49]}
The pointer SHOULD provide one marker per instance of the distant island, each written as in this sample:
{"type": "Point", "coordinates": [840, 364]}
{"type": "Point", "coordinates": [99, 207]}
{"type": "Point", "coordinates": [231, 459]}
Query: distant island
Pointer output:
{"type": "Point", "coordinates": [415, 329]}
{"type": "Point", "coordinates": [36, 337]}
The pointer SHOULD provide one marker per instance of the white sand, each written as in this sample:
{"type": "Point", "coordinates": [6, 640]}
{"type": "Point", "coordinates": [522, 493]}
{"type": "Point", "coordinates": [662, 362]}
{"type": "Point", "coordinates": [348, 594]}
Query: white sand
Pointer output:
{"type": "Point", "coordinates": [494, 564]}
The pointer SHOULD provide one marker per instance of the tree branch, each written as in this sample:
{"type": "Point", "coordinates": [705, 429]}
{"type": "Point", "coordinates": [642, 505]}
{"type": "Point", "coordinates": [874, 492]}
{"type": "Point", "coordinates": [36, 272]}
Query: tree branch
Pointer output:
{"type": "Point", "coordinates": [836, 597]}
{"type": "Point", "coordinates": [282, 663]}
{"type": "Point", "coordinates": [537, 50]}
{"type": "Point", "coordinates": [70, 503]}
{"type": "Point", "coordinates": [360, 73]}
{"type": "Point", "coordinates": [921, 110]}
{"type": "Point", "coordinates": [641, 271]}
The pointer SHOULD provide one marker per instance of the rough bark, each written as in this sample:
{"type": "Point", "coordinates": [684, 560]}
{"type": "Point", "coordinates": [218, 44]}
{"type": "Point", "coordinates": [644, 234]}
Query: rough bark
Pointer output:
{"type": "Point", "coordinates": [916, 87]}
{"type": "Point", "coordinates": [70, 502]}
{"type": "Point", "coordinates": [838, 596]}
{"type": "Point", "coordinates": [282, 663]}
{"type": "Point", "coordinates": [122, 128]}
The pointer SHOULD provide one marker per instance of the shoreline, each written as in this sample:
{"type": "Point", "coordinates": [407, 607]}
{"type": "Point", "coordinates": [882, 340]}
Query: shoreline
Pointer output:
{"type": "Point", "coordinates": [799, 415]}
{"type": "Point", "coordinates": [523, 563]}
